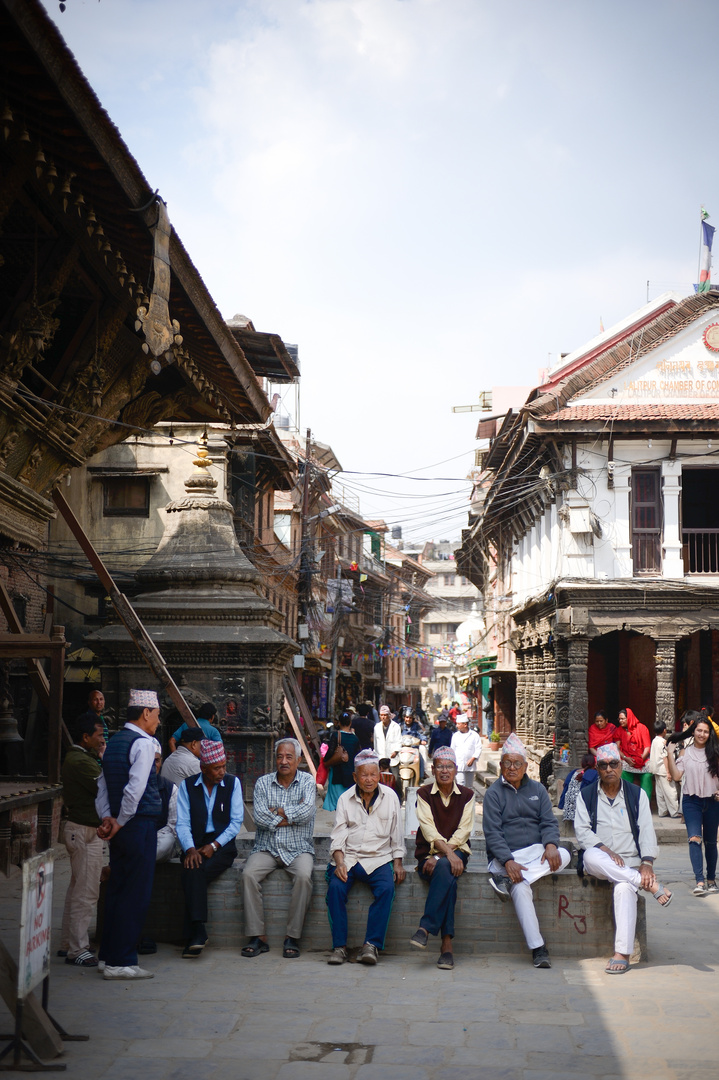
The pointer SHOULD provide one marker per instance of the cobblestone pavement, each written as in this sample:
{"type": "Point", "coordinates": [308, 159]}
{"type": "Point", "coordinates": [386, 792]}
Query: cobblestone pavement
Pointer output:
{"type": "Point", "coordinates": [226, 1018]}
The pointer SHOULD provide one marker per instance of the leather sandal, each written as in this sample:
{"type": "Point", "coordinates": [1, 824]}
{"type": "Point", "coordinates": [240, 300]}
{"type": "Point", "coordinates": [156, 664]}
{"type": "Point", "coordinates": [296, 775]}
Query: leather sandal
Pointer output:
{"type": "Point", "coordinates": [254, 947]}
{"type": "Point", "coordinates": [290, 948]}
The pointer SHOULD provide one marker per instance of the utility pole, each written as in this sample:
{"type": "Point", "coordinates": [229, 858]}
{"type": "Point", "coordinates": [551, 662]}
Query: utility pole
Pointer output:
{"type": "Point", "coordinates": [336, 627]}
{"type": "Point", "coordinates": [305, 582]}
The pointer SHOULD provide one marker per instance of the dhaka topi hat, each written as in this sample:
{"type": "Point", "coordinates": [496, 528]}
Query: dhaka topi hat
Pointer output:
{"type": "Point", "coordinates": [366, 757]}
{"type": "Point", "coordinates": [143, 699]}
{"type": "Point", "coordinates": [608, 752]}
{"type": "Point", "coordinates": [212, 753]}
{"type": "Point", "coordinates": [444, 753]}
{"type": "Point", "coordinates": [156, 747]}
{"type": "Point", "coordinates": [514, 745]}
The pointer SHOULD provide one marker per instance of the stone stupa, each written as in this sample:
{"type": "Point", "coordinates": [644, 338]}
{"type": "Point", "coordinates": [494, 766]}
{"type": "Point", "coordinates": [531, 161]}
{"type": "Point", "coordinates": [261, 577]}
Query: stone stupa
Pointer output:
{"type": "Point", "coordinates": [201, 602]}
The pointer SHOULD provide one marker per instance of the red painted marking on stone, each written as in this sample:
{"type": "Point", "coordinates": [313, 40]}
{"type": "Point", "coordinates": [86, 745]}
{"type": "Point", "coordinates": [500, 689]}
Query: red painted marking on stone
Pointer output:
{"type": "Point", "coordinates": [580, 921]}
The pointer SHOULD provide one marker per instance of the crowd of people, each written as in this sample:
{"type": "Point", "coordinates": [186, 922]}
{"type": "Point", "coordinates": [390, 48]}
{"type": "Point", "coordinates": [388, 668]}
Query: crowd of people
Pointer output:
{"type": "Point", "coordinates": [121, 793]}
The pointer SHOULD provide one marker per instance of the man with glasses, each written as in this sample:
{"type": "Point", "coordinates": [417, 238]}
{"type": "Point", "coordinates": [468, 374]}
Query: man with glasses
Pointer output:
{"type": "Point", "coordinates": [522, 841]}
{"type": "Point", "coordinates": [445, 812]}
{"type": "Point", "coordinates": [613, 826]}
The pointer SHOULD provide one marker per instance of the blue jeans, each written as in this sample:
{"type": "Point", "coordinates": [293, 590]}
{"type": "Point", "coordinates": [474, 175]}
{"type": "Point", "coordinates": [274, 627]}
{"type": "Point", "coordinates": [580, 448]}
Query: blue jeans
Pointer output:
{"type": "Point", "coordinates": [381, 882]}
{"type": "Point", "coordinates": [701, 816]}
{"type": "Point", "coordinates": [439, 907]}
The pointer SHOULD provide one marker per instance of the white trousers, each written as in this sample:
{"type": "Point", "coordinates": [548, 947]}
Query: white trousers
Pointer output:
{"type": "Point", "coordinates": [667, 796]}
{"type": "Point", "coordinates": [521, 893]}
{"type": "Point", "coordinates": [466, 778]}
{"type": "Point", "coordinates": [627, 882]}
{"type": "Point", "coordinates": [166, 841]}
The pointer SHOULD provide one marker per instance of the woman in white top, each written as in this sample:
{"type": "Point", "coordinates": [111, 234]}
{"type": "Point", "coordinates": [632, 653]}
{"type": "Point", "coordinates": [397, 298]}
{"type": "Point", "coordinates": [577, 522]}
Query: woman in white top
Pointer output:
{"type": "Point", "coordinates": [698, 766]}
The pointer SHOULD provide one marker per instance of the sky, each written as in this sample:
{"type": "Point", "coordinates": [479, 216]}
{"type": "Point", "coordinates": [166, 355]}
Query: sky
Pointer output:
{"type": "Point", "coordinates": [430, 197]}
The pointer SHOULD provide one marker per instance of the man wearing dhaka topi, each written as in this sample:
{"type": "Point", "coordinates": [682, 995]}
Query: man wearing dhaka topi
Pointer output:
{"type": "Point", "coordinates": [522, 841]}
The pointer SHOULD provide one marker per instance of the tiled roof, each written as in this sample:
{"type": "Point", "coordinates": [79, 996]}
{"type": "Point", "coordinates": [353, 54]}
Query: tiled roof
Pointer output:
{"type": "Point", "coordinates": [643, 411]}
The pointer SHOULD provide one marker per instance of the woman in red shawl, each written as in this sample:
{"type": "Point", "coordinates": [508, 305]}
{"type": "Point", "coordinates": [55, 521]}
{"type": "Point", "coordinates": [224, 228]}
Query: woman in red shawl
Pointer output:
{"type": "Point", "coordinates": [601, 732]}
{"type": "Point", "coordinates": [634, 744]}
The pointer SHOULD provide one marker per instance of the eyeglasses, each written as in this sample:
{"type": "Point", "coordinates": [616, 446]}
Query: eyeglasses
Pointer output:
{"type": "Point", "coordinates": [607, 765]}
{"type": "Point", "coordinates": [512, 764]}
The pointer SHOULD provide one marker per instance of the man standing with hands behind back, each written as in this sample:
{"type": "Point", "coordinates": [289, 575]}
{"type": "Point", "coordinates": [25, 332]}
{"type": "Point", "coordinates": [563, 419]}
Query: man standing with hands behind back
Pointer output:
{"type": "Point", "coordinates": [128, 802]}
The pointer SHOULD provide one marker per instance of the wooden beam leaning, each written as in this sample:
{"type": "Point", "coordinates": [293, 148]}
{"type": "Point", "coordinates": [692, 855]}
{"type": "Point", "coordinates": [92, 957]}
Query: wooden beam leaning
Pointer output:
{"type": "Point", "coordinates": [128, 616]}
{"type": "Point", "coordinates": [300, 738]}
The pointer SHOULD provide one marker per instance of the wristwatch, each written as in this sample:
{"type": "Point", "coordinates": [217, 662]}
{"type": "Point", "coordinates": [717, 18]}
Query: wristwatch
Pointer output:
{"type": "Point", "coordinates": [215, 846]}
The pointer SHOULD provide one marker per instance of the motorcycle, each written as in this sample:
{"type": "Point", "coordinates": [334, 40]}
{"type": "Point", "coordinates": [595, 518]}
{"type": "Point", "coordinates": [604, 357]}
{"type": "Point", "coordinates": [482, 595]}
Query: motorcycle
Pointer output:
{"type": "Point", "coordinates": [409, 763]}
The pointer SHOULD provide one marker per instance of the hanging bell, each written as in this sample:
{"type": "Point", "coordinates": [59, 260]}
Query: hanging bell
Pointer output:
{"type": "Point", "coordinates": [51, 177]}
{"type": "Point", "coordinates": [39, 162]}
{"type": "Point", "coordinates": [90, 221]}
{"type": "Point", "coordinates": [79, 203]}
{"type": "Point", "coordinates": [24, 135]}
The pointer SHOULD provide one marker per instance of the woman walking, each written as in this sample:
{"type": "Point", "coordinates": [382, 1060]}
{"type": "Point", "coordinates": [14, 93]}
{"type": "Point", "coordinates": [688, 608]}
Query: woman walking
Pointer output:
{"type": "Point", "coordinates": [698, 766]}
{"type": "Point", "coordinates": [340, 760]}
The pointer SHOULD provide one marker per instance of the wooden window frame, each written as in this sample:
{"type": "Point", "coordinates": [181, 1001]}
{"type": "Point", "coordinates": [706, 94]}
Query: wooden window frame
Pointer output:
{"type": "Point", "coordinates": [129, 511]}
{"type": "Point", "coordinates": [643, 538]}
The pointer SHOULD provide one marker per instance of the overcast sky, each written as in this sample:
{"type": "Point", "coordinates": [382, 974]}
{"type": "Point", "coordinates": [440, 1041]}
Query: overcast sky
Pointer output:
{"type": "Point", "coordinates": [430, 197]}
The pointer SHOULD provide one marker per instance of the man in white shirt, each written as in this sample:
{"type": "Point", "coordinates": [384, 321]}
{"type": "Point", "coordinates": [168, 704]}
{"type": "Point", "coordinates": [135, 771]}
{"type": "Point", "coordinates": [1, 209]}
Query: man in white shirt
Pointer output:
{"type": "Point", "coordinates": [185, 761]}
{"type": "Point", "coordinates": [467, 747]}
{"type": "Point", "coordinates": [366, 845]}
{"type": "Point", "coordinates": [613, 826]}
{"type": "Point", "coordinates": [388, 740]}
{"type": "Point", "coordinates": [128, 803]}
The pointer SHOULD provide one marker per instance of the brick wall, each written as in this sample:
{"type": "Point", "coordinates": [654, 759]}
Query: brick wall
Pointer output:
{"type": "Point", "coordinates": [575, 915]}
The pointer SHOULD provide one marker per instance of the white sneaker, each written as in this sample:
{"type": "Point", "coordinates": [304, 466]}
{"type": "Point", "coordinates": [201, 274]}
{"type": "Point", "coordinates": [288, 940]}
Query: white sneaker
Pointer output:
{"type": "Point", "coordinates": [130, 972]}
{"type": "Point", "coordinates": [101, 966]}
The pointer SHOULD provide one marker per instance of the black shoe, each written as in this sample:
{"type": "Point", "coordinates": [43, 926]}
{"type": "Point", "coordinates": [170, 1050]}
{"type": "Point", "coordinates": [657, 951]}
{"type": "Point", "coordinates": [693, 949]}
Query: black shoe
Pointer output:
{"type": "Point", "coordinates": [540, 957]}
{"type": "Point", "coordinates": [61, 952]}
{"type": "Point", "coordinates": [500, 883]}
{"type": "Point", "coordinates": [195, 945]}
{"type": "Point", "coordinates": [147, 947]}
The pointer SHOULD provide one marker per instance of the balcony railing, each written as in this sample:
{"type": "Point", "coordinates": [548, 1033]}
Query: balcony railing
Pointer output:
{"type": "Point", "coordinates": [700, 551]}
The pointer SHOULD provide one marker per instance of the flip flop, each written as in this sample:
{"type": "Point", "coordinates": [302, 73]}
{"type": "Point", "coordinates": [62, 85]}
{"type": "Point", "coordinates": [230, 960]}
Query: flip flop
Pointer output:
{"type": "Point", "coordinates": [254, 947]}
{"type": "Point", "coordinates": [617, 967]}
{"type": "Point", "coordinates": [661, 891]}
{"type": "Point", "coordinates": [290, 948]}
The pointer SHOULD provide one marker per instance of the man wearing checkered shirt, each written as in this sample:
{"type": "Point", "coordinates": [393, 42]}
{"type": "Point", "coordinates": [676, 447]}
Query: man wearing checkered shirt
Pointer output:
{"type": "Point", "coordinates": [283, 806]}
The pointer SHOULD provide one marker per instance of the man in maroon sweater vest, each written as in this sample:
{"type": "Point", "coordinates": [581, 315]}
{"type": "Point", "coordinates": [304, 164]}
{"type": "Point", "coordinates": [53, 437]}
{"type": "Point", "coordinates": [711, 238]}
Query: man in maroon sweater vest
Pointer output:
{"type": "Point", "coordinates": [445, 812]}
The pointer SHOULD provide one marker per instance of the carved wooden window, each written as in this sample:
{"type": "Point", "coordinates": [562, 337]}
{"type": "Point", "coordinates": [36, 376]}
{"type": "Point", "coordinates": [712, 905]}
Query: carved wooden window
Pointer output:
{"type": "Point", "coordinates": [646, 521]}
{"type": "Point", "coordinates": [126, 496]}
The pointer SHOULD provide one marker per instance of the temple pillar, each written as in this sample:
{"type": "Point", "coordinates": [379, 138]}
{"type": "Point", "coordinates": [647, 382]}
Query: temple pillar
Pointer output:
{"type": "Point", "coordinates": [665, 660]}
{"type": "Point", "coordinates": [578, 655]}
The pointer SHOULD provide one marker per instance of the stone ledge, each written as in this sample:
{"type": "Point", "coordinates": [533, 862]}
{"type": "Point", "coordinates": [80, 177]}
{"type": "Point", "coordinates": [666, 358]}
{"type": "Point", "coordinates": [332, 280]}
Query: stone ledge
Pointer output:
{"type": "Point", "coordinates": [575, 914]}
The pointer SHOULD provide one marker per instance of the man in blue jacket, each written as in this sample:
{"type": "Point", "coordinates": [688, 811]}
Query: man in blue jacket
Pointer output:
{"type": "Point", "coordinates": [522, 841]}
{"type": "Point", "coordinates": [128, 804]}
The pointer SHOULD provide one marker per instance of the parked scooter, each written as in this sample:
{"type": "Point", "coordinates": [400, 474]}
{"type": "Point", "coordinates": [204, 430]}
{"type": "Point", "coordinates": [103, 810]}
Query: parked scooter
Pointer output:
{"type": "Point", "coordinates": [409, 763]}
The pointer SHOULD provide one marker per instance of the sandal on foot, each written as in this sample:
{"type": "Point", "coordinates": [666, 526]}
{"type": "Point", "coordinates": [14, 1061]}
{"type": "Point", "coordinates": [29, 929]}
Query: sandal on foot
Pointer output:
{"type": "Point", "coordinates": [291, 948]}
{"type": "Point", "coordinates": [420, 938]}
{"type": "Point", "coordinates": [254, 947]}
{"type": "Point", "coordinates": [446, 961]}
{"type": "Point", "coordinates": [83, 959]}
{"type": "Point", "coordinates": [662, 892]}
{"type": "Point", "coordinates": [617, 967]}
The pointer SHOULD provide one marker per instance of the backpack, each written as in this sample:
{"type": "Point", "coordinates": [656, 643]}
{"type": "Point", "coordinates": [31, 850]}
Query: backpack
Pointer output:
{"type": "Point", "coordinates": [590, 794]}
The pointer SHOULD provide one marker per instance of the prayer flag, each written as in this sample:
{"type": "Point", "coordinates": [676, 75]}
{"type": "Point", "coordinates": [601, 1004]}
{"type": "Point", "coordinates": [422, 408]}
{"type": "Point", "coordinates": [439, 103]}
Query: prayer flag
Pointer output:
{"type": "Point", "coordinates": [705, 269]}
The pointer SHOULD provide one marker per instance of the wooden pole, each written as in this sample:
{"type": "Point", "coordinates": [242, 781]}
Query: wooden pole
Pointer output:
{"type": "Point", "coordinates": [145, 645]}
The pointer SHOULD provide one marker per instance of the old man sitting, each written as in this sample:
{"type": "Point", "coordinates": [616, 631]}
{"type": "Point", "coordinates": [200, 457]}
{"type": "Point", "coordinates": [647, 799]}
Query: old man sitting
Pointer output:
{"type": "Point", "coordinates": [445, 813]}
{"type": "Point", "coordinates": [283, 807]}
{"type": "Point", "coordinates": [613, 826]}
{"type": "Point", "coordinates": [522, 841]}
{"type": "Point", "coordinates": [366, 845]}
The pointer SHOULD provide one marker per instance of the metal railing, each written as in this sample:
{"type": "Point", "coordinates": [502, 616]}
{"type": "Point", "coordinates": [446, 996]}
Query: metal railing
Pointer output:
{"type": "Point", "coordinates": [700, 550]}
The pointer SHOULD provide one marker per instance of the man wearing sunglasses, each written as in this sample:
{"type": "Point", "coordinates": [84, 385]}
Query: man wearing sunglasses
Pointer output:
{"type": "Point", "coordinates": [613, 826]}
{"type": "Point", "coordinates": [522, 841]}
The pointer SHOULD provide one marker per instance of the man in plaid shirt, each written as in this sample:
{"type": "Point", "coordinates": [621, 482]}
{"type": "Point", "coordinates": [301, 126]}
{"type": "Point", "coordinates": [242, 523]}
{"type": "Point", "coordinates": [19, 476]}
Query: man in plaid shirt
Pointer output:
{"type": "Point", "coordinates": [284, 804]}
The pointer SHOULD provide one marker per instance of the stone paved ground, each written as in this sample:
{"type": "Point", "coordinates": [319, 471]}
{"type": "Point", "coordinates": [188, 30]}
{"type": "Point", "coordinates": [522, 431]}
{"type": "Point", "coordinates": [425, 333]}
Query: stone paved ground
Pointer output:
{"type": "Point", "coordinates": [226, 1018]}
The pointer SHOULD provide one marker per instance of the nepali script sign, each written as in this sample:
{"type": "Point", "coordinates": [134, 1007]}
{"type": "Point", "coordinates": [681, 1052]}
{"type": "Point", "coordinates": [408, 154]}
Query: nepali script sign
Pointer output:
{"type": "Point", "coordinates": [35, 923]}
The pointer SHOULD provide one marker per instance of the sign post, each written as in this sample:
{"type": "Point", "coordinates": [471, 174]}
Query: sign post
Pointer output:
{"type": "Point", "coordinates": [34, 963]}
